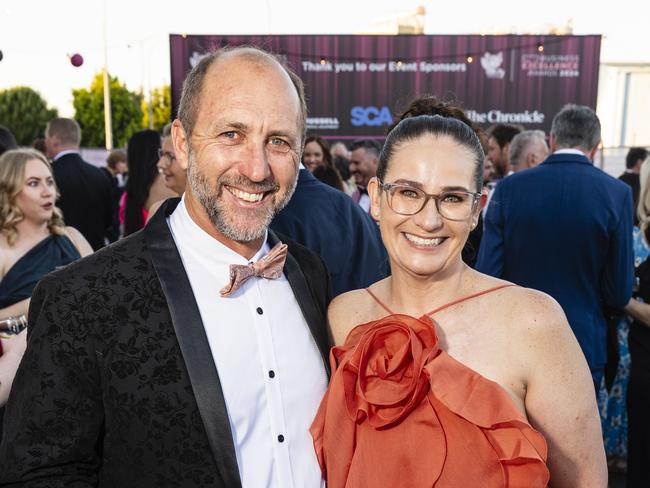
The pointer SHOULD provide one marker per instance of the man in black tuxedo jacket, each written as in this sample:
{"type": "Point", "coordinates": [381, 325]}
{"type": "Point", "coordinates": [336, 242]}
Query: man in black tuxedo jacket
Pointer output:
{"type": "Point", "coordinates": [140, 370]}
{"type": "Point", "coordinates": [85, 192]}
{"type": "Point", "coordinates": [633, 162]}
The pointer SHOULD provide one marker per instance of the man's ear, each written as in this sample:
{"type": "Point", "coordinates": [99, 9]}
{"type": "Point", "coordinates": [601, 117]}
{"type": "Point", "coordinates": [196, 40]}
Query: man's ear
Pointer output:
{"type": "Point", "coordinates": [592, 153]}
{"type": "Point", "coordinates": [531, 159]}
{"type": "Point", "coordinates": [181, 143]}
{"type": "Point", "coordinates": [552, 143]}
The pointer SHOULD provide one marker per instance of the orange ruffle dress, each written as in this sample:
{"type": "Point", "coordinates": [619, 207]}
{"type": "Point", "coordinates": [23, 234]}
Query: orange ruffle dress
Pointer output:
{"type": "Point", "coordinates": [401, 412]}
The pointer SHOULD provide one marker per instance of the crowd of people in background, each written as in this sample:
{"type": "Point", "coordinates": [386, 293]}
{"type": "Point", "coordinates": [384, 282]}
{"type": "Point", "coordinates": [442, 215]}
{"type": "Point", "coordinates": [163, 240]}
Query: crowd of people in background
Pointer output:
{"type": "Point", "coordinates": [551, 221]}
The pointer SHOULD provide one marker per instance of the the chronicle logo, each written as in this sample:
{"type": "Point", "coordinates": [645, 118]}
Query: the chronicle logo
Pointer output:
{"type": "Point", "coordinates": [491, 63]}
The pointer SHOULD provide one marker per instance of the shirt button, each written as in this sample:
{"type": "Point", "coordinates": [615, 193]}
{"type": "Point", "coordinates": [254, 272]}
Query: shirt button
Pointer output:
{"type": "Point", "coordinates": [271, 374]}
{"type": "Point", "coordinates": [259, 310]}
{"type": "Point", "coordinates": [280, 438]}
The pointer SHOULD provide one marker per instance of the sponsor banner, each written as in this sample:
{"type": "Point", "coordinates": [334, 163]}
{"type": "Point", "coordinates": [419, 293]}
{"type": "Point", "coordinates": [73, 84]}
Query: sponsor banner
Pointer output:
{"type": "Point", "coordinates": [356, 84]}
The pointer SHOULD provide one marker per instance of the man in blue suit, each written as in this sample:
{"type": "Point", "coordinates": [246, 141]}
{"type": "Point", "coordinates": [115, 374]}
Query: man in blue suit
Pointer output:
{"type": "Point", "coordinates": [565, 228]}
{"type": "Point", "coordinates": [330, 223]}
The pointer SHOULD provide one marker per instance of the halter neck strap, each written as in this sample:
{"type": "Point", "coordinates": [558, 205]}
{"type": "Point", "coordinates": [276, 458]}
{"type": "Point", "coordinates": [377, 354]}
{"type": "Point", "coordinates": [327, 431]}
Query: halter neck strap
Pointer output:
{"type": "Point", "coordinates": [446, 305]}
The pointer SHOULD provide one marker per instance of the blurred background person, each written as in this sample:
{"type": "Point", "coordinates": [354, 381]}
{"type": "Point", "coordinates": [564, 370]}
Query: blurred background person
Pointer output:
{"type": "Point", "coordinates": [145, 185]}
{"type": "Point", "coordinates": [7, 140]}
{"type": "Point", "coordinates": [316, 154]}
{"type": "Point", "coordinates": [633, 162]}
{"type": "Point", "coordinates": [499, 138]}
{"type": "Point", "coordinates": [638, 390]}
{"type": "Point", "coordinates": [329, 176]}
{"type": "Point", "coordinates": [488, 173]}
{"type": "Point", "coordinates": [116, 167]}
{"type": "Point", "coordinates": [39, 145]}
{"type": "Point", "coordinates": [33, 242]}
{"type": "Point", "coordinates": [364, 157]}
{"type": "Point", "coordinates": [340, 149]}
{"type": "Point", "coordinates": [114, 170]}
{"type": "Point", "coordinates": [527, 150]}
{"type": "Point", "coordinates": [85, 192]}
{"type": "Point", "coordinates": [342, 165]}
{"type": "Point", "coordinates": [173, 171]}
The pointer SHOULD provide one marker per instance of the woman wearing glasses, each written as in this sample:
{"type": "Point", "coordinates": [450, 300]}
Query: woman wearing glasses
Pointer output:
{"type": "Point", "coordinates": [443, 376]}
{"type": "Point", "coordinates": [145, 185]}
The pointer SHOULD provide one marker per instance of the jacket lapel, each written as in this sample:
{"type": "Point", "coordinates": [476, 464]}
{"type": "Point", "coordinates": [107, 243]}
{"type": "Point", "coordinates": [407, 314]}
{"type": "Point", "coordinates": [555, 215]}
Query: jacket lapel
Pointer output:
{"type": "Point", "coordinates": [305, 299]}
{"type": "Point", "coordinates": [193, 342]}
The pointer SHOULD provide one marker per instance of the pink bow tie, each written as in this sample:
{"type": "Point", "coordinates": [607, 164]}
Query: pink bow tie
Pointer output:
{"type": "Point", "coordinates": [269, 267]}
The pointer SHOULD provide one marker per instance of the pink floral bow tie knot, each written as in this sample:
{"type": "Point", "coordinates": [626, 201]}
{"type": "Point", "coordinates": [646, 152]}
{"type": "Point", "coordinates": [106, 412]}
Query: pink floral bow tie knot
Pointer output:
{"type": "Point", "coordinates": [269, 267]}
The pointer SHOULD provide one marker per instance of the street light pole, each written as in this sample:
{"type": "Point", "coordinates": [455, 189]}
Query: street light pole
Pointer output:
{"type": "Point", "coordinates": [108, 119]}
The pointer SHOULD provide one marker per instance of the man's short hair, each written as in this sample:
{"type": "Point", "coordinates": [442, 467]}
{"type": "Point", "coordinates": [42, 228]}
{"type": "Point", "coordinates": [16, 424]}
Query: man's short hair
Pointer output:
{"type": "Point", "coordinates": [193, 84]}
{"type": "Point", "coordinates": [67, 130]}
{"type": "Point", "coordinates": [576, 126]}
{"type": "Point", "coordinates": [633, 155]}
{"type": "Point", "coordinates": [521, 142]}
{"type": "Point", "coordinates": [114, 157]}
{"type": "Point", "coordinates": [369, 145]}
{"type": "Point", "coordinates": [504, 133]}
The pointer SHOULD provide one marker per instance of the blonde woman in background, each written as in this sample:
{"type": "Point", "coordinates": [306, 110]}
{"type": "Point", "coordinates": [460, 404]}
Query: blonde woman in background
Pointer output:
{"type": "Point", "coordinates": [638, 391]}
{"type": "Point", "coordinates": [33, 241]}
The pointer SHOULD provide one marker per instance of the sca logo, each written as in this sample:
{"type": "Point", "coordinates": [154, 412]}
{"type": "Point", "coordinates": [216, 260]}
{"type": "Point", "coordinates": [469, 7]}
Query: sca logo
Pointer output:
{"type": "Point", "coordinates": [370, 116]}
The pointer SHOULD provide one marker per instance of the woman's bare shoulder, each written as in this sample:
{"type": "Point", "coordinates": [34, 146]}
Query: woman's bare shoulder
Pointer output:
{"type": "Point", "coordinates": [347, 311]}
{"type": "Point", "coordinates": [79, 241]}
{"type": "Point", "coordinates": [534, 323]}
{"type": "Point", "coordinates": [513, 305]}
{"type": "Point", "coordinates": [4, 252]}
{"type": "Point", "coordinates": [533, 308]}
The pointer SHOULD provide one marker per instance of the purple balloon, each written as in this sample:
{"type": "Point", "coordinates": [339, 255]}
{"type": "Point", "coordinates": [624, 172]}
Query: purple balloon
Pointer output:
{"type": "Point", "coordinates": [76, 60]}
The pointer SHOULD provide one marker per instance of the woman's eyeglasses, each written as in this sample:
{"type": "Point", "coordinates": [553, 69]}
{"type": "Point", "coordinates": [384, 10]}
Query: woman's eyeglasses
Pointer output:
{"type": "Point", "coordinates": [452, 205]}
{"type": "Point", "coordinates": [166, 155]}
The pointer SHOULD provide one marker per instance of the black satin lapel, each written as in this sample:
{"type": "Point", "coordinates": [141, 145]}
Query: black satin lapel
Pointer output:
{"type": "Point", "coordinates": [313, 317]}
{"type": "Point", "coordinates": [193, 342]}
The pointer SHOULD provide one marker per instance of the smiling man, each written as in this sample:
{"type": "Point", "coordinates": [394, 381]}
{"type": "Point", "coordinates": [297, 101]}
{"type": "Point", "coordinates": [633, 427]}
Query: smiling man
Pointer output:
{"type": "Point", "coordinates": [169, 359]}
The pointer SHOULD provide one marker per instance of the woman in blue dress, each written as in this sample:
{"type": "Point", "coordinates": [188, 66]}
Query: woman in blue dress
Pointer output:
{"type": "Point", "coordinates": [33, 242]}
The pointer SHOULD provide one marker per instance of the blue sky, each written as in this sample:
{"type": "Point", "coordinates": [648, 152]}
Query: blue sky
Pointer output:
{"type": "Point", "coordinates": [37, 37]}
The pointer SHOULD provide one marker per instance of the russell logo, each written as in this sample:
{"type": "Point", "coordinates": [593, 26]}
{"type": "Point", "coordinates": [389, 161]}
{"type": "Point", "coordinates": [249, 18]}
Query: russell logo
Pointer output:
{"type": "Point", "coordinates": [372, 116]}
{"type": "Point", "coordinates": [491, 63]}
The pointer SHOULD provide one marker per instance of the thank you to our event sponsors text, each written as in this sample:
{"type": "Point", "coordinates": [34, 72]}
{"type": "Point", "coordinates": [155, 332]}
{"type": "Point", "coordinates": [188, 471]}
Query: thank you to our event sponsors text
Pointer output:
{"type": "Point", "coordinates": [381, 67]}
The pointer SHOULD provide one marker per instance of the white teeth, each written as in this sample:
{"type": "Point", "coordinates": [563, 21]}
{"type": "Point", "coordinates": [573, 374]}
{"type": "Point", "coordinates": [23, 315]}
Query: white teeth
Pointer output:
{"type": "Point", "coordinates": [424, 242]}
{"type": "Point", "coordinates": [249, 197]}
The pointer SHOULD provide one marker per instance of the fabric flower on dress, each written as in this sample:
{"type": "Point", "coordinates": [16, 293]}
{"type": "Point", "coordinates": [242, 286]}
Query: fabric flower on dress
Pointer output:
{"type": "Point", "coordinates": [400, 412]}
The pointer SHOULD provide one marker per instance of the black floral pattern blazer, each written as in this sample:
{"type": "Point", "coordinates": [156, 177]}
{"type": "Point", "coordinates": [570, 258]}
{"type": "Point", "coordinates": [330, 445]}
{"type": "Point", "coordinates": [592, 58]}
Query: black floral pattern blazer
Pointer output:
{"type": "Point", "coordinates": [118, 387]}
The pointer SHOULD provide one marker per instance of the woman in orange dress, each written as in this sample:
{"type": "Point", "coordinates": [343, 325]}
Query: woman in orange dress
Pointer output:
{"type": "Point", "coordinates": [443, 376]}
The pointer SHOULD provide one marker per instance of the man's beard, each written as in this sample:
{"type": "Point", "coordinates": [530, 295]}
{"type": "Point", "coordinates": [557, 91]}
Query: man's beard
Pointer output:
{"type": "Point", "coordinates": [231, 225]}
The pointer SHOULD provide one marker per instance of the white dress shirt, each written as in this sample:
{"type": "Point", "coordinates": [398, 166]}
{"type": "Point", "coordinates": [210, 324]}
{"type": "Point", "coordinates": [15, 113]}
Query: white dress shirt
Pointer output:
{"type": "Point", "coordinates": [570, 151]}
{"type": "Point", "coordinates": [271, 371]}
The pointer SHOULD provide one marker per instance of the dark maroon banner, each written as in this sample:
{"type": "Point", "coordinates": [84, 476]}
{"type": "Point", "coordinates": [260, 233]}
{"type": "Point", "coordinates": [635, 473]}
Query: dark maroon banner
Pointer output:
{"type": "Point", "coordinates": [355, 84]}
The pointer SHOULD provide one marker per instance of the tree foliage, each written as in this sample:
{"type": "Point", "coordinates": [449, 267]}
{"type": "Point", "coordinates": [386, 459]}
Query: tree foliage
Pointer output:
{"type": "Point", "coordinates": [24, 112]}
{"type": "Point", "coordinates": [89, 112]}
{"type": "Point", "coordinates": [161, 107]}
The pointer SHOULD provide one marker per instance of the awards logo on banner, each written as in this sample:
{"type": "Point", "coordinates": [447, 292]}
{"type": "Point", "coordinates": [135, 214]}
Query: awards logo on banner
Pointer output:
{"type": "Point", "coordinates": [491, 63]}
